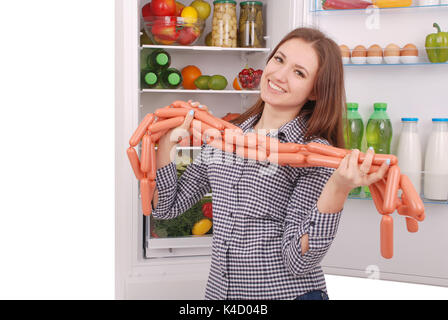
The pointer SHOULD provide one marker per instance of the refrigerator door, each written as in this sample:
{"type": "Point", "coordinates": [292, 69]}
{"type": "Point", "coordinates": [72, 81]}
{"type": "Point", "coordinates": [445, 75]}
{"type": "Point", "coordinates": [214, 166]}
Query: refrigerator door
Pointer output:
{"type": "Point", "coordinates": [410, 90]}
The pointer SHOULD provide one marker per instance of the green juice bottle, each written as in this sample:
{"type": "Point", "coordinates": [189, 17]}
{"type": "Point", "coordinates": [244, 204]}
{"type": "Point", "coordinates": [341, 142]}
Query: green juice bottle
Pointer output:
{"type": "Point", "coordinates": [149, 79]}
{"type": "Point", "coordinates": [170, 78]}
{"type": "Point", "coordinates": [353, 133]}
{"type": "Point", "coordinates": [159, 59]}
{"type": "Point", "coordinates": [379, 130]}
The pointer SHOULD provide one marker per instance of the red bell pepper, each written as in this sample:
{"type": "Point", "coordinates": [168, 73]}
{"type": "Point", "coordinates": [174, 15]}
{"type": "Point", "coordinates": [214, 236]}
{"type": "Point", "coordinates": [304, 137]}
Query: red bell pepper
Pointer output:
{"type": "Point", "coordinates": [345, 4]}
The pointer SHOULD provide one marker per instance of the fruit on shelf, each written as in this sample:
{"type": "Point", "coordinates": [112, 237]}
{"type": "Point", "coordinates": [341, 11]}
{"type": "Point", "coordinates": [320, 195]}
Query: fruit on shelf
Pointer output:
{"type": "Point", "coordinates": [179, 8]}
{"type": "Point", "coordinates": [163, 7]}
{"type": "Point", "coordinates": [190, 74]}
{"type": "Point", "coordinates": [147, 14]}
{"type": "Point", "coordinates": [188, 35]}
{"type": "Point", "coordinates": [248, 78]}
{"type": "Point", "coordinates": [217, 82]}
{"type": "Point", "coordinates": [165, 29]}
{"type": "Point", "coordinates": [202, 227]}
{"type": "Point", "coordinates": [207, 210]}
{"type": "Point", "coordinates": [202, 82]}
{"type": "Point", "coordinates": [190, 15]}
{"type": "Point", "coordinates": [203, 8]}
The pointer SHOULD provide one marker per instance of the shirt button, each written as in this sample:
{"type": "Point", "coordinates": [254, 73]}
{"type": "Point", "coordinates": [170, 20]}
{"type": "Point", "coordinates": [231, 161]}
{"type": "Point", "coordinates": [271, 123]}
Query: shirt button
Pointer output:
{"type": "Point", "coordinates": [312, 224]}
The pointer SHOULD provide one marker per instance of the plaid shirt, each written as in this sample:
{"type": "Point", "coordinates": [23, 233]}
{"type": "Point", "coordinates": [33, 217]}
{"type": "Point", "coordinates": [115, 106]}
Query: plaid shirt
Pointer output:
{"type": "Point", "coordinates": [260, 212]}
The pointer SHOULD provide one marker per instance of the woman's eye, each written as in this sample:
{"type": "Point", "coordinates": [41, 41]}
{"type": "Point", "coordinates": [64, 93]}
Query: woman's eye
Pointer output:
{"type": "Point", "coordinates": [300, 73]}
{"type": "Point", "coordinates": [278, 59]}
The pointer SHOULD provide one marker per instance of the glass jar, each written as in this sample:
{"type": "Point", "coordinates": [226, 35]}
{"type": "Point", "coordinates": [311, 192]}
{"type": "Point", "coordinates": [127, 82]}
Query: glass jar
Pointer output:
{"type": "Point", "coordinates": [251, 25]}
{"type": "Point", "coordinates": [224, 25]}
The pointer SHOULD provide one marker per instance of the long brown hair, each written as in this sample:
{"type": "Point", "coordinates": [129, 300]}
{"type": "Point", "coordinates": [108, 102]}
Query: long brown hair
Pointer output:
{"type": "Point", "coordinates": [326, 112]}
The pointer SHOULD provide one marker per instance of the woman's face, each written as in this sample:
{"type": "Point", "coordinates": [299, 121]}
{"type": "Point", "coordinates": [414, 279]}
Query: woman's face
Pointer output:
{"type": "Point", "coordinates": [288, 78]}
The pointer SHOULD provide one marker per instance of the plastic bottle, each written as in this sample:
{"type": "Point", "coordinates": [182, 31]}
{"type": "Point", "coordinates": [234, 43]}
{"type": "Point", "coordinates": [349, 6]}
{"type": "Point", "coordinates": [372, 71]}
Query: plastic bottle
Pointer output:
{"type": "Point", "coordinates": [149, 79]}
{"type": "Point", "coordinates": [409, 151]}
{"type": "Point", "coordinates": [354, 133]}
{"type": "Point", "coordinates": [436, 161]}
{"type": "Point", "coordinates": [379, 131]}
{"type": "Point", "coordinates": [170, 78]}
{"type": "Point", "coordinates": [158, 59]}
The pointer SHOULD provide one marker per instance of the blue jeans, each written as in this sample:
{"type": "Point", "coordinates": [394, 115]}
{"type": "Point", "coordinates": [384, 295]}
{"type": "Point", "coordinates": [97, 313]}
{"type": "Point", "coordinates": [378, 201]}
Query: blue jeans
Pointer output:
{"type": "Point", "coordinates": [313, 295]}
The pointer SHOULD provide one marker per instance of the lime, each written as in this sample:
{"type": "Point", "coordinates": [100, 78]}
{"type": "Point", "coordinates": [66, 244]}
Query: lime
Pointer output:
{"type": "Point", "coordinates": [217, 82]}
{"type": "Point", "coordinates": [201, 82]}
{"type": "Point", "coordinates": [203, 8]}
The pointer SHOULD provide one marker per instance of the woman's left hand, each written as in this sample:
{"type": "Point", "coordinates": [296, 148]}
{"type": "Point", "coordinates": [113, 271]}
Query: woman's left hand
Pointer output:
{"type": "Point", "coordinates": [350, 174]}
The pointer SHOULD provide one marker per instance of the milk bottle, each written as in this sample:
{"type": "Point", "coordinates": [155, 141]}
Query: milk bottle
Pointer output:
{"type": "Point", "coordinates": [436, 161]}
{"type": "Point", "coordinates": [409, 152]}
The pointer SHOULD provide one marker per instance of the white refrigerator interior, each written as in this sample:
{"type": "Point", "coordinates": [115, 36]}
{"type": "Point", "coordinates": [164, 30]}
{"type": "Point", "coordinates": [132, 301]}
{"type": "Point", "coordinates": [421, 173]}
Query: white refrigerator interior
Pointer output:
{"type": "Point", "coordinates": [148, 268]}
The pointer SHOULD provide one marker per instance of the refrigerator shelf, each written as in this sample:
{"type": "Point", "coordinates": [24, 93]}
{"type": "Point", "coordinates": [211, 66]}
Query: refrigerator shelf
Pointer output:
{"type": "Point", "coordinates": [317, 9]}
{"type": "Point", "coordinates": [209, 49]}
{"type": "Point", "coordinates": [394, 64]}
{"type": "Point", "coordinates": [200, 91]}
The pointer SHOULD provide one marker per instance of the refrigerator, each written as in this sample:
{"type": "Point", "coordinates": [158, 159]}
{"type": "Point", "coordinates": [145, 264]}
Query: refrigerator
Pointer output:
{"type": "Point", "coordinates": [163, 266]}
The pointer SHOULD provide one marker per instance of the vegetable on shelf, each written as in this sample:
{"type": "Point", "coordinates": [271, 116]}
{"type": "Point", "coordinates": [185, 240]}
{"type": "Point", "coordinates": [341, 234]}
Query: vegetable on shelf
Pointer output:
{"type": "Point", "coordinates": [345, 4]}
{"type": "Point", "coordinates": [207, 210]}
{"type": "Point", "coordinates": [436, 45]}
{"type": "Point", "coordinates": [392, 3]}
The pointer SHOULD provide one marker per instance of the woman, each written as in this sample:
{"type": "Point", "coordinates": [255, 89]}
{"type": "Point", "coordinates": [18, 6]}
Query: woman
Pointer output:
{"type": "Point", "coordinates": [271, 231]}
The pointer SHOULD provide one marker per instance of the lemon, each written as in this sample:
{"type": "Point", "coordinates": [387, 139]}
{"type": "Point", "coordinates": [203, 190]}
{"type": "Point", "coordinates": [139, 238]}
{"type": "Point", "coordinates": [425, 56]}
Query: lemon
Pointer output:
{"type": "Point", "coordinates": [203, 8]}
{"type": "Point", "coordinates": [201, 227]}
{"type": "Point", "coordinates": [190, 15]}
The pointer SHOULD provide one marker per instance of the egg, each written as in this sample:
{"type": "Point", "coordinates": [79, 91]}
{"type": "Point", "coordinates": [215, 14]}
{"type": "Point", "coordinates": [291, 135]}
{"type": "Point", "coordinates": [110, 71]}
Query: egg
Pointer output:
{"type": "Point", "coordinates": [409, 50]}
{"type": "Point", "coordinates": [392, 50]}
{"type": "Point", "coordinates": [345, 51]}
{"type": "Point", "coordinates": [375, 51]}
{"type": "Point", "coordinates": [359, 51]}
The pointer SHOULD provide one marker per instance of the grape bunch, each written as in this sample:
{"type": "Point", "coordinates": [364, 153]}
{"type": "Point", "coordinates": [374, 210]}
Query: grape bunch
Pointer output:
{"type": "Point", "coordinates": [250, 78]}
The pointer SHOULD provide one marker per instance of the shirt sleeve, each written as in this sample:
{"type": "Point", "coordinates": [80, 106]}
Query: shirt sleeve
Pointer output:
{"type": "Point", "coordinates": [303, 217]}
{"type": "Point", "coordinates": [178, 195]}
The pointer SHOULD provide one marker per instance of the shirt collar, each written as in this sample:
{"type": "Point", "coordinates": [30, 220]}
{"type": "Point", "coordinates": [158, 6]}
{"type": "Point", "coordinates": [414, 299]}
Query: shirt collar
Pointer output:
{"type": "Point", "coordinates": [292, 131]}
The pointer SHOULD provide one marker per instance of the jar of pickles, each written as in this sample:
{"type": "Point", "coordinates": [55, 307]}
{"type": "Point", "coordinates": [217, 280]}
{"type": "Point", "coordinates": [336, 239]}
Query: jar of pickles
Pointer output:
{"type": "Point", "coordinates": [224, 25]}
{"type": "Point", "coordinates": [251, 25]}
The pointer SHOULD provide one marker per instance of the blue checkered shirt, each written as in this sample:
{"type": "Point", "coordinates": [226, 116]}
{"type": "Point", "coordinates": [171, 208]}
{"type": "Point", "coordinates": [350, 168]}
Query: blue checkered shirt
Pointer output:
{"type": "Point", "coordinates": [260, 212]}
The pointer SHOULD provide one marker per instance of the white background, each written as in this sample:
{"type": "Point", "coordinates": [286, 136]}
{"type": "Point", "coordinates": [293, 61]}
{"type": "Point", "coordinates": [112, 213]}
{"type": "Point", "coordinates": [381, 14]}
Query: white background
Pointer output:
{"type": "Point", "coordinates": [57, 160]}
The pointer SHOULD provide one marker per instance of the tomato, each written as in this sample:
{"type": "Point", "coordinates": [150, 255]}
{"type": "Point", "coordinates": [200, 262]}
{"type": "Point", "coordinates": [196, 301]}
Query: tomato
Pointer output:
{"type": "Point", "coordinates": [207, 210]}
{"type": "Point", "coordinates": [163, 7]}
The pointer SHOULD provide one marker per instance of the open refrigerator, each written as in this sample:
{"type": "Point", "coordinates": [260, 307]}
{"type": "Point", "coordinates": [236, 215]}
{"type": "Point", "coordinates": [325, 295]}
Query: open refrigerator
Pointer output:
{"type": "Point", "coordinates": [167, 264]}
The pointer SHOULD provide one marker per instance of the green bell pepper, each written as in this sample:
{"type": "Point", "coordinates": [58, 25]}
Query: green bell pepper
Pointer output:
{"type": "Point", "coordinates": [437, 45]}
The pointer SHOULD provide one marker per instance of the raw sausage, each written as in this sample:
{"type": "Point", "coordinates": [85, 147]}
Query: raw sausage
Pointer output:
{"type": "Point", "coordinates": [152, 161]}
{"type": "Point", "coordinates": [392, 184]}
{"type": "Point", "coordinates": [209, 119]}
{"type": "Point", "coordinates": [287, 158]}
{"type": "Point", "coordinates": [146, 154]}
{"type": "Point", "coordinates": [171, 112]}
{"type": "Point", "coordinates": [135, 163]}
{"type": "Point", "coordinates": [141, 129]}
{"type": "Point", "coordinates": [379, 158]}
{"type": "Point", "coordinates": [326, 150]}
{"type": "Point", "coordinates": [147, 188]}
{"type": "Point", "coordinates": [413, 200]}
{"type": "Point", "coordinates": [387, 236]}
{"type": "Point", "coordinates": [166, 124]}
{"type": "Point", "coordinates": [156, 136]}
{"type": "Point", "coordinates": [323, 161]}
{"type": "Point", "coordinates": [377, 197]}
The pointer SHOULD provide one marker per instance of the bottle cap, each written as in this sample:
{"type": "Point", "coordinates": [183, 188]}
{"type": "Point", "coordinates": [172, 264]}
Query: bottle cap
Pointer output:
{"type": "Point", "coordinates": [352, 106]}
{"type": "Point", "coordinates": [380, 106]}
{"type": "Point", "coordinates": [174, 79]}
{"type": "Point", "coordinates": [439, 119]}
{"type": "Point", "coordinates": [151, 78]}
{"type": "Point", "coordinates": [409, 119]}
{"type": "Point", "coordinates": [245, 3]}
{"type": "Point", "coordinates": [162, 59]}
{"type": "Point", "coordinates": [224, 1]}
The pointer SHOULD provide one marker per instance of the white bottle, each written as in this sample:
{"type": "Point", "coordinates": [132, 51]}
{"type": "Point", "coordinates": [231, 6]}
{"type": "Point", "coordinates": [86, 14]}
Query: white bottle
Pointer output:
{"type": "Point", "coordinates": [436, 161]}
{"type": "Point", "coordinates": [409, 152]}
{"type": "Point", "coordinates": [428, 2]}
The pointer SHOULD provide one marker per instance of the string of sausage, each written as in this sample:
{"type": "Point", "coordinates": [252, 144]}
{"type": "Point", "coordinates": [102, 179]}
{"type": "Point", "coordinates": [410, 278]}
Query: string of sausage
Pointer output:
{"type": "Point", "coordinates": [230, 138]}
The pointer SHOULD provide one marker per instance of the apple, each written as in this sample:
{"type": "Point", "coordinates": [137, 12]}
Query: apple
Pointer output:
{"type": "Point", "coordinates": [163, 7]}
{"type": "Point", "coordinates": [165, 29]}
{"type": "Point", "coordinates": [188, 35]}
{"type": "Point", "coordinates": [147, 13]}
